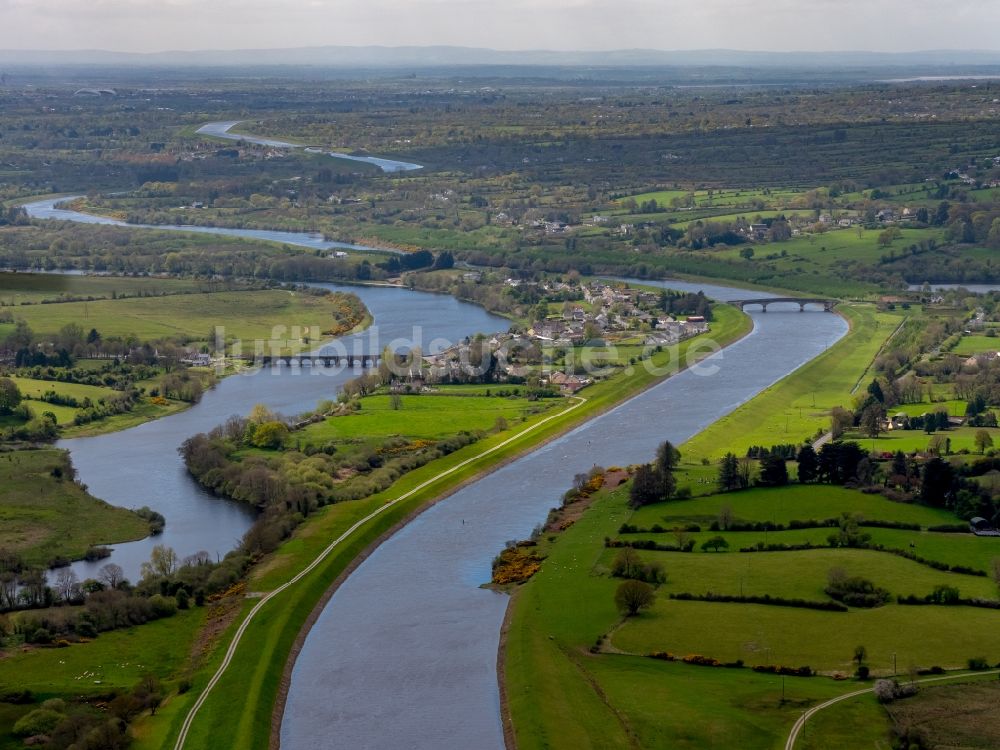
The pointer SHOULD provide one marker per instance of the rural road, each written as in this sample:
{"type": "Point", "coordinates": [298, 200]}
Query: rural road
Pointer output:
{"type": "Point", "coordinates": [797, 727]}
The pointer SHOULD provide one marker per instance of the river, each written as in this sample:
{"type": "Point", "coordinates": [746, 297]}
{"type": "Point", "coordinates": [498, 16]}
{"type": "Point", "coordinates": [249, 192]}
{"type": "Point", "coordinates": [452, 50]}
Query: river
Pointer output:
{"type": "Point", "coordinates": [221, 130]}
{"type": "Point", "coordinates": [404, 654]}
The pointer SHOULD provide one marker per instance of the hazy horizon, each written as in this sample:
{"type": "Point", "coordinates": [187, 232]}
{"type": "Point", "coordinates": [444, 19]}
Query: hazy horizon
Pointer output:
{"type": "Point", "coordinates": [556, 25]}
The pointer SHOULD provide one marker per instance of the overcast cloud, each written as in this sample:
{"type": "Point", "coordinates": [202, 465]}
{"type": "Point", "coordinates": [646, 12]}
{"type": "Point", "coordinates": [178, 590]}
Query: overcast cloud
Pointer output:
{"type": "Point", "coordinates": [156, 25]}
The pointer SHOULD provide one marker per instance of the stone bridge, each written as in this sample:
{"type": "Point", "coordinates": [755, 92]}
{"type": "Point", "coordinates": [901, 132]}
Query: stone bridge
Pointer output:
{"type": "Point", "coordinates": [827, 304]}
{"type": "Point", "coordinates": [313, 360]}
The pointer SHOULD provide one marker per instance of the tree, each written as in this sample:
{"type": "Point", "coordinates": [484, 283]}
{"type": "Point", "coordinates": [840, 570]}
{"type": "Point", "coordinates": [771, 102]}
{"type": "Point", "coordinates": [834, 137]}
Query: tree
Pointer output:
{"type": "Point", "coordinates": [149, 693]}
{"type": "Point", "coordinates": [632, 596]}
{"type": "Point", "coordinates": [260, 414]}
{"type": "Point", "coordinates": [715, 543]}
{"type": "Point", "coordinates": [746, 253]}
{"type": "Point", "coordinates": [860, 654]}
{"type": "Point", "coordinates": [67, 586]}
{"type": "Point", "coordinates": [773, 471]}
{"type": "Point", "coordinates": [840, 420]}
{"type": "Point", "coordinates": [645, 487]}
{"type": "Point", "coordinates": [729, 473]}
{"type": "Point", "coordinates": [667, 458]}
{"type": "Point", "coordinates": [808, 465]}
{"type": "Point", "coordinates": [111, 575]}
{"type": "Point", "coordinates": [744, 472]}
{"type": "Point", "coordinates": [270, 435]}
{"type": "Point", "coordinates": [10, 396]}
{"type": "Point", "coordinates": [875, 391]}
{"type": "Point", "coordinates": [725, 517]}
{"type": "Point", "coordinates": [938, 483]}
{"type": "Point", "coordinates": [627, 564]}
{"type": "Point", "coordinates": [162, 562]}
{"type": "Point", "coordinates": [983, 440]}
{"type": "Point", "coordinates": [871, 418]}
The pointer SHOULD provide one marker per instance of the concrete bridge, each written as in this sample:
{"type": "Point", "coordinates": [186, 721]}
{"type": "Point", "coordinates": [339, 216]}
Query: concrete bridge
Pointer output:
{"type": "Point", "coordinates": [827, 304]}
{"type": "Point", "coordinates": [313, 360]}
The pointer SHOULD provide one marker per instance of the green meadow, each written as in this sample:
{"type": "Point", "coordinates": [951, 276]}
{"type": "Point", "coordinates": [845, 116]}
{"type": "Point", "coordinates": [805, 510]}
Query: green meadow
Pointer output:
{"type": "Point", "coordinates": [44, 514]}
{"type": "Point", "coordinates": [427, 416]}
{"type": "Point", "coordinates": [551, 669]}
{"type": "Point", "coordinates": [246, 316]}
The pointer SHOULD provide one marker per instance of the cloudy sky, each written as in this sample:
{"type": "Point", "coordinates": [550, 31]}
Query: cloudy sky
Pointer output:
{"type": "Point", "coordinates": [155, 25]}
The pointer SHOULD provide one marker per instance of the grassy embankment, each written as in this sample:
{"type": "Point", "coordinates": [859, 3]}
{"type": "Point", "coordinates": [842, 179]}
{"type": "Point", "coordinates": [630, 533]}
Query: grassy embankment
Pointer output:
{"type": "Point", "coordinates": [798, 406]}
{"type": "Point", "coordinates": [43, 516]}
{"type": "Point", "coordinates": [254, 681]}
{"type": "Point", "coordinates": [561, 696]}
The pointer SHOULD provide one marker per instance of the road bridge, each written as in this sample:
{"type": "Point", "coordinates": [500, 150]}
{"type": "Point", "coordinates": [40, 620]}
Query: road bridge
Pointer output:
{"type": "Point", "coordinates": [827, 304]}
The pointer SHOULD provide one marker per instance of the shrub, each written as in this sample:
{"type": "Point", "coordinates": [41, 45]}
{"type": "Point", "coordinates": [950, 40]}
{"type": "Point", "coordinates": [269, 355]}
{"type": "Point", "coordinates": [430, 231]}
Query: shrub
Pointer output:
{"type": "Point", "coordinates": [39, 721]}
{"type": "Point", "coordinates": [632, 596]}
{"type": "Point", "coordinates": [162, 606]}
{"type": "Point", "coordinates": [855, 591]}
{"type": "Point", "coordinates": [978, 663]}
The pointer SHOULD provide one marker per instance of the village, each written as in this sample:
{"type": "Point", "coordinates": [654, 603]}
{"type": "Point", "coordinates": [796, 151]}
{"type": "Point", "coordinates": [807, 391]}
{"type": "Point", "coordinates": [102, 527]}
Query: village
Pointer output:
{"type": "Point", "coordinates": [605, 315]}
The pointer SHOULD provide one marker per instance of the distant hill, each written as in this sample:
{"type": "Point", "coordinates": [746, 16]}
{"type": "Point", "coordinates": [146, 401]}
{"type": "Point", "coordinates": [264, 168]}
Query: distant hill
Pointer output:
{"type": "Point", "coordinates": [443, 56]}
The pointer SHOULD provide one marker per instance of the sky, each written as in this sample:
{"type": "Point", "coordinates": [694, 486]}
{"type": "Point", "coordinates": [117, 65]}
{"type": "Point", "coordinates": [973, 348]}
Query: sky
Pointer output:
{"type": "Point", "coordinates": [157, 25]}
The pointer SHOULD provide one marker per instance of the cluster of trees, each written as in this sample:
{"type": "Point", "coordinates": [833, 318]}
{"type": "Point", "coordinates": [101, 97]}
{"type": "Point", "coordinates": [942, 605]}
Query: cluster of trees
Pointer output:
{"type": "Point", "coordinates": [656, 482]}
{"type": "Point", "coordinates": [69, 726]}
{"type": "Point", "coordinates": [855, 591]}
{"type": "Point", "coordinates": [690, 303]}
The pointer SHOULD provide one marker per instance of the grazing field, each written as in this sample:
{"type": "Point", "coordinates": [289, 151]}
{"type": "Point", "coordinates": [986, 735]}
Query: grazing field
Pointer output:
{"type": "Point", "coordinates": [794, 502]}
{"type": "Point", "coordinates": [562, 696]}
{"type": "Point", "coordinates": [909, 441]}
{"type": "Point", "coordinates": [552, 671]}
{"type": "Point", "coordinates": [976, 344]}
{"type": "Point", "coordinates": [426, 416]}
{"type": "Point", "coordinates": [246, 316]}
{"type": "Point", "coordinates": [43, 516]}
{"type": "Point", "coordinates": [33, 390]}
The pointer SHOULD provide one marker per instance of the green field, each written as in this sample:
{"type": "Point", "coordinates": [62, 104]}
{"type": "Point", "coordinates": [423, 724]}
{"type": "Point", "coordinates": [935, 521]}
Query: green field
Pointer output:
{"type": "Point", "coordinates": [975, 344]}
{"type": "Point", "coordinates": [560, 695]}
{"type": "Point", "coordinates": [909, 441]}
{"type": "Point", "coordinates": [552, 679]}
{"type": "Point", "coordinates": [246, 316]}
{"type": "Point", "coordinates": [32, 390]}
{"type": "Point", "coordinates": [42, 517]}
{"type": "Point", "coordinates": [24, 288]}
{"type": "Point", "coordinates": [794, 502]}
{"type": "Point", "coordinates": [428, 416]}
